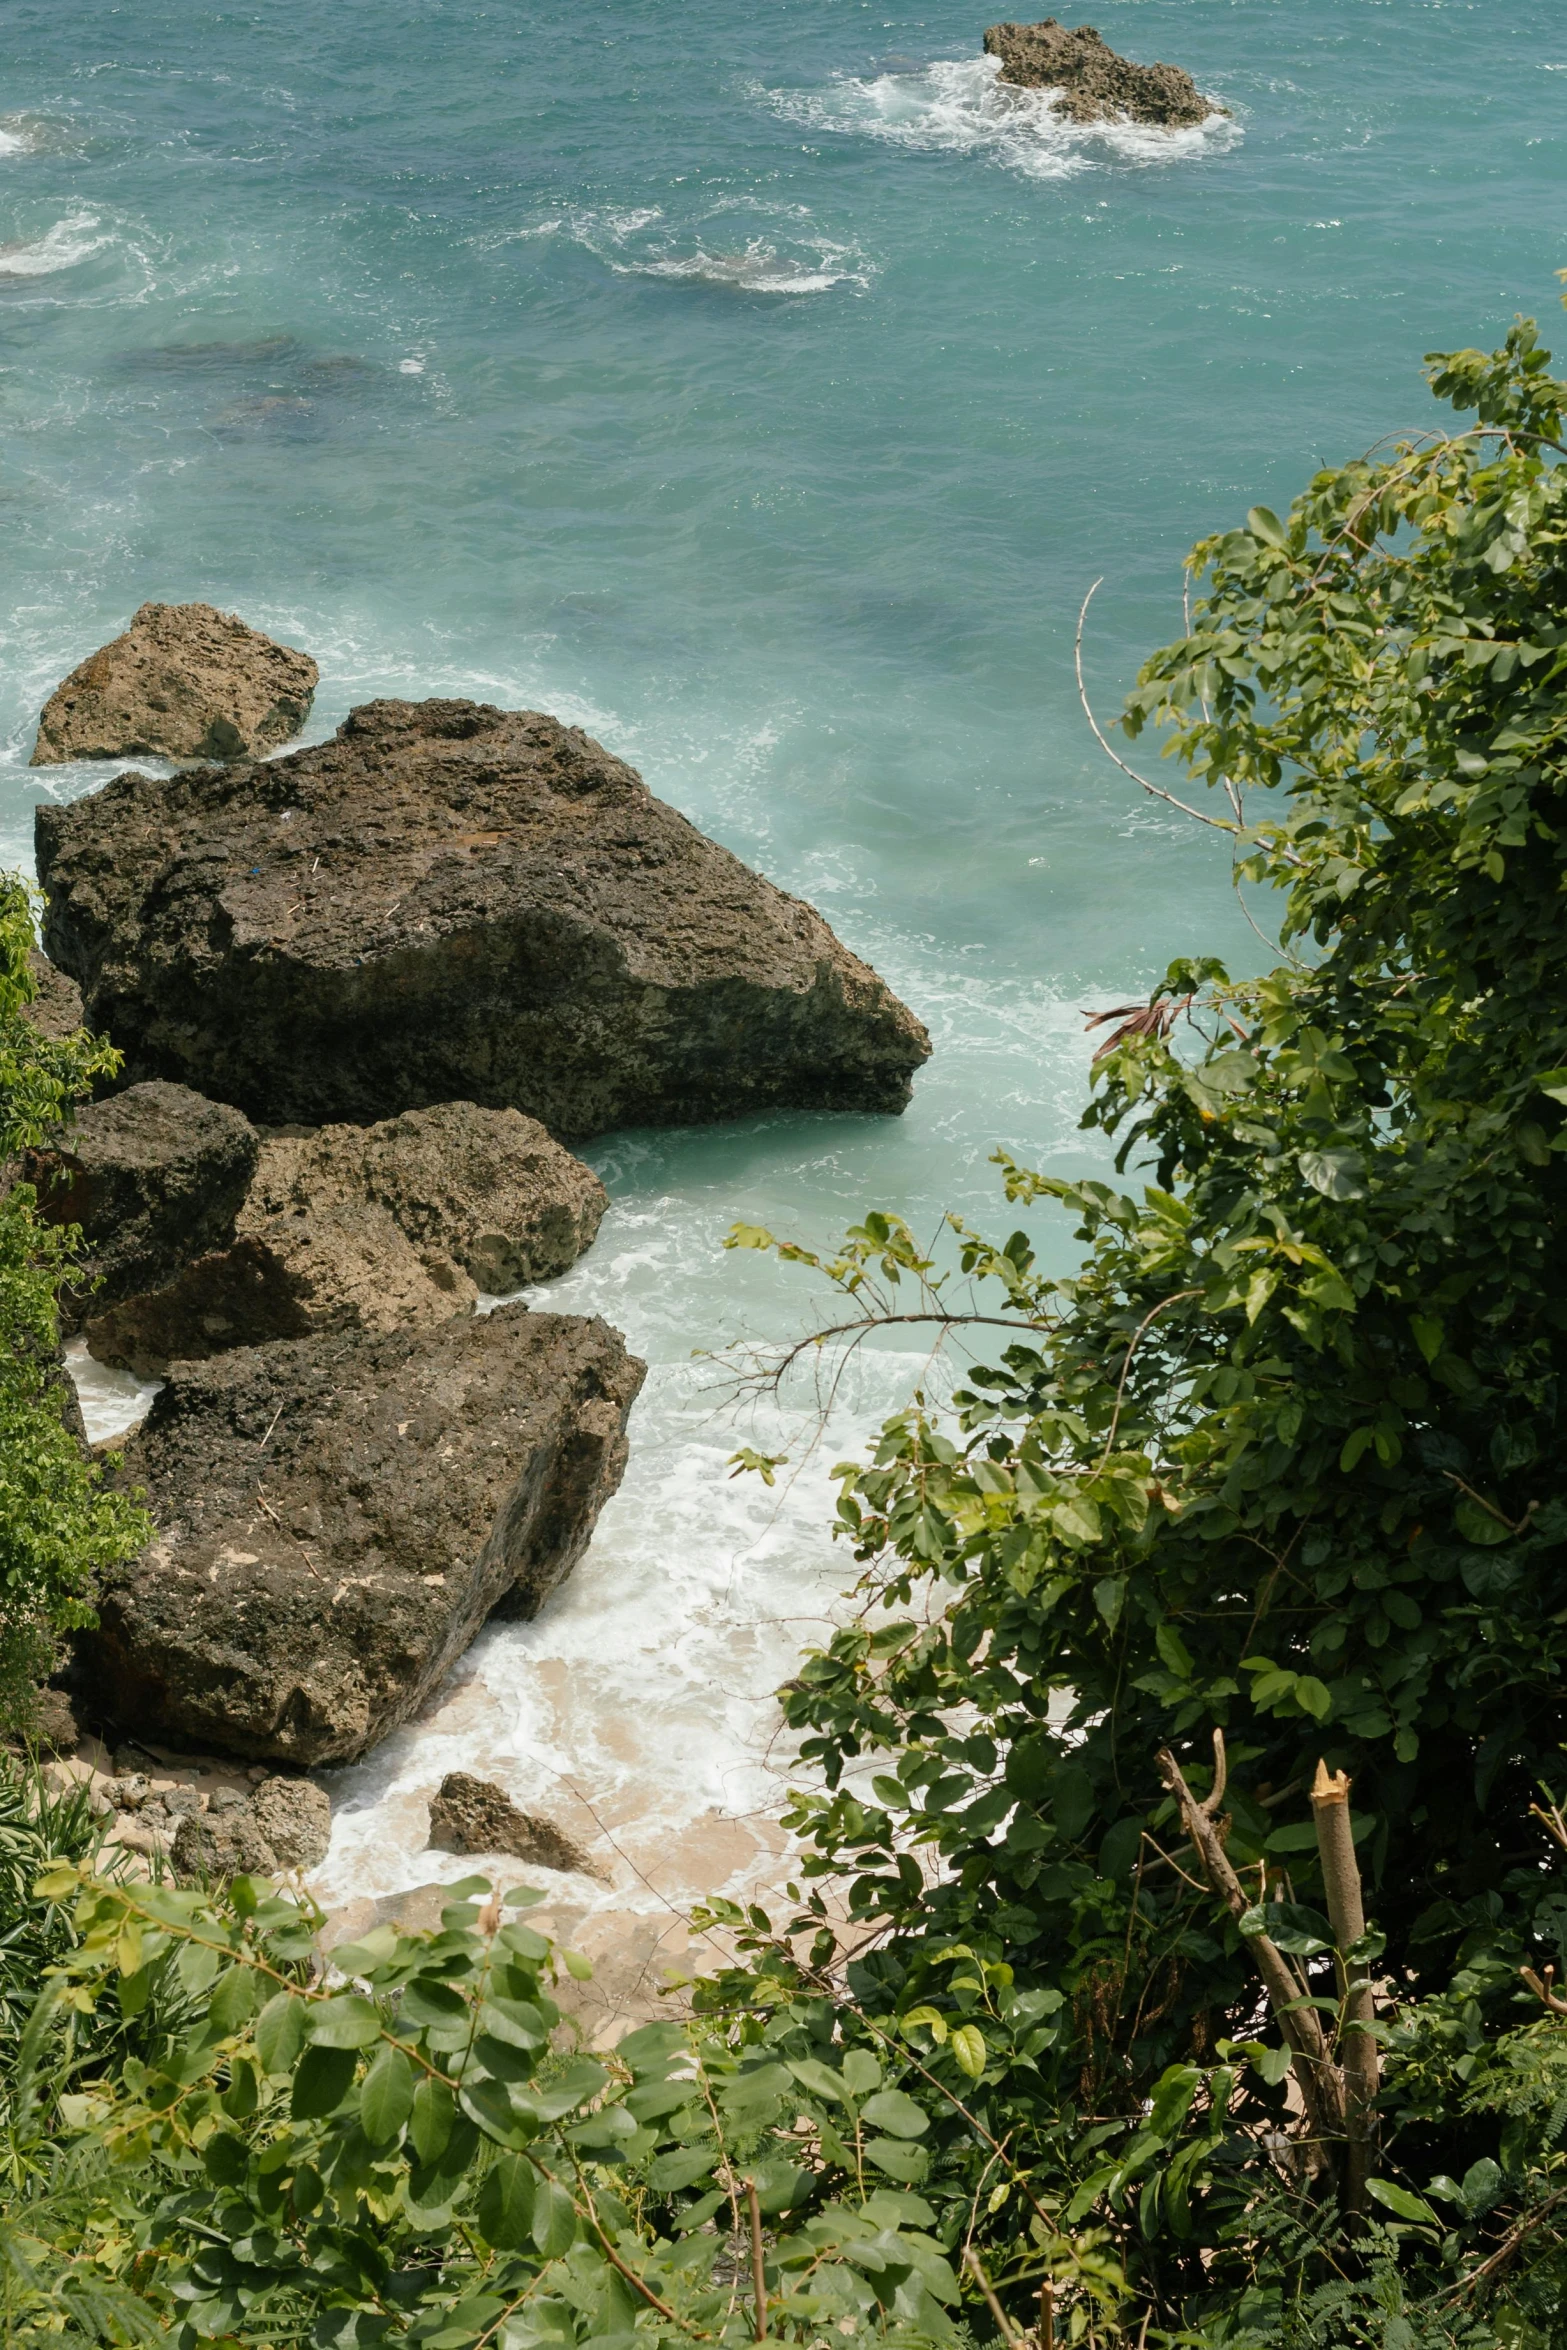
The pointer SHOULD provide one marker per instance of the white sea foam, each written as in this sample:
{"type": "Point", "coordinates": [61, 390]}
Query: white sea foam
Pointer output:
{"type": "Point", "coordinates": [69, 241]}
{"type": "Point", "coordinates": [113, 1402]}
{"type": "Point", "coordinates": [741, 242]}
{"type": "Point", "coordinates": [960, 106]}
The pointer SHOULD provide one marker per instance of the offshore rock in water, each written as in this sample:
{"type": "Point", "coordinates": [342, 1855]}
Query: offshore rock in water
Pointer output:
{"type": "Point", "coordinates": [474, 1815]}
{"type": "Point", "coordinates": [338, 1516]}
{"type": "Point", "coordinates": [185, 681]}
{"type": "Point", "coordinates": [366, 1228]}
{"type": "Point", "coordinates": [1093, 83]}
{"type": "Point", "coordinates": [152, 1176]}
{"type": "Point", "coordinates": [452, 901]}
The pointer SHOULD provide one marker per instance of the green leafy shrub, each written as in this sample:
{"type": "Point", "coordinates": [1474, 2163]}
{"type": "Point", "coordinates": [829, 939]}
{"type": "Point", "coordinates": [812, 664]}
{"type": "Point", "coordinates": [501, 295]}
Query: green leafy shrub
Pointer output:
{"type": "Point", "coordinates": [1282, 1456]}
{"type": "Point", "coordinates": [59, 1526]}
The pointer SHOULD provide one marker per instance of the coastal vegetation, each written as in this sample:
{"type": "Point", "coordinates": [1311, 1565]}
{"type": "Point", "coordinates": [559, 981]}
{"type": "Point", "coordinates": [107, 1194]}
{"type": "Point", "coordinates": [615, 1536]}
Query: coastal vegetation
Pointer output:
{"type": "Point", "coordinates": [1183, 1847]}
{"type": "Point", "coordinates": [59, 1526]}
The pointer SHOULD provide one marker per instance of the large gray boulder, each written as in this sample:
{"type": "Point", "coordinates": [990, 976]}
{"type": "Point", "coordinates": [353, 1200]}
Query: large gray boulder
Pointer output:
{"type": "Point", "coordinates": [338, 1516]}
{"type": "Point", "coordinates": [185, 681]}
{"type": "Point", "coordinates": [455, 902]}
{"type": "Point", "coordinates": [1092, 83]}
{"type": "Point", "coordinates": [369, 1228]}
{"type": "Point", "coordinates": [153, 1176]}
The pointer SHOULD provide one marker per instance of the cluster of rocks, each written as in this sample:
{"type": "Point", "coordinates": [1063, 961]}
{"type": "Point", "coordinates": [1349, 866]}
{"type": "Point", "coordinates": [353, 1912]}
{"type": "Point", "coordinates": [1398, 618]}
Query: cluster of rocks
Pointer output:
{"type": "Point", "coordinates": [1090, 81]}
{"type": "Point", "coordinates": [198, 1814]}
{"type": "Point", "coordinates": [362, 991]}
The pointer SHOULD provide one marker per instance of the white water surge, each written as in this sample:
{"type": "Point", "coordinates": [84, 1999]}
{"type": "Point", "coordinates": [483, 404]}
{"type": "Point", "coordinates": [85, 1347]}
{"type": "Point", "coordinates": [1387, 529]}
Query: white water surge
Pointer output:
{"type": "Point", "coordinates": [638, 1712]}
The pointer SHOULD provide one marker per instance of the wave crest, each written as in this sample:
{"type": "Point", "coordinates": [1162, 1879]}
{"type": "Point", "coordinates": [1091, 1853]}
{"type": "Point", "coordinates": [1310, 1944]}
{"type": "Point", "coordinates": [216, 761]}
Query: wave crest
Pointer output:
{"type": "Point", "coordinates": [738, 242]}
{"type": "Point", "coordinates": [62, 247]}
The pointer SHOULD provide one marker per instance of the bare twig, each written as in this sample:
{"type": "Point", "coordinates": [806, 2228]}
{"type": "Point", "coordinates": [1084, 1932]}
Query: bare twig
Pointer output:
{"type": "Point", "coordinates": [1135, 1341]}
{"type": "Point", "coordinates": [1513, 1525]}
{"type": "Point", "coordinates": [1003, 2326]}
{"type": "Point", "coordinates": [758, 2267]}
{"type": "Point", "coordinates": [1543, 1990]}
{"type": "Point", "coordinates": [1156, 791]}
{"type": "Point", "coordinates": [1361, 2065]}
{"type": "Point", "coordinates": [1321, 2083]}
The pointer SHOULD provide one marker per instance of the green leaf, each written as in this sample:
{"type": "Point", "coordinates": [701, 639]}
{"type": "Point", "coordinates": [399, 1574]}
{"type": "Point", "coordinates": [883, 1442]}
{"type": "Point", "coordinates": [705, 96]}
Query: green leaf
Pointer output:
{"type": "Point", "coordinates": [347, 2021]}
{"type": "Point", "coordinates": [280, 2033]}
{"type": "Point", "coordinates": [386, 2097]}
{"type": "Point", "coordinates": [670, 2172]}
{"type": "Point", "coordinates": [430, 2119]}
{"type": "Point", "coordinates": [1299, 1931]}
{"type": "Point", "coordinates": [891, 2110]}
{"type": "Point", "coordinates": [1478, 1525]}
{"type": "Point", "coordinates": [1336, 1174]}
{"type": "Point", "coordinates": [897, 2158]}
{"type": "Point", "coordinates": [506, 2203]}
{"type": "Point", "coordinates": [233, 2002]}
{"type": "Point", "coordinates": [1401, 2203]}
{"type": "Point", "coordinates": [322, 2080]}
{"type": "Point", "coordinates": [1264, 524]}
{"type": "Point", "coordinates": [861, 2072]}
{"type": "Point", "coordinates": [818, 2079]}
{"type": "Point", "coordinates": [510, 2121]}
{"type": "Point", "coordinates": [967, 2044]}
{"type": "Point", "coordinates": [1110, 1598]}
{"type": "Point", "coordinates": [554, 2223]}
{"type": "Point", "coordinates": [1313, 1697]}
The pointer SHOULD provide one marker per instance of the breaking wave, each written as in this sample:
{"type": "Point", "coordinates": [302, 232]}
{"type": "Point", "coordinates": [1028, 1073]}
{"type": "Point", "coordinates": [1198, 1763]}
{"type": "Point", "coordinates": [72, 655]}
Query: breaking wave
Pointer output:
{"type": "Point", "coordinates": [62, 247]}
{"type": "Point", "coordinates": [960, 106]}
{"type": "Point", "coordinates": [738, 242]}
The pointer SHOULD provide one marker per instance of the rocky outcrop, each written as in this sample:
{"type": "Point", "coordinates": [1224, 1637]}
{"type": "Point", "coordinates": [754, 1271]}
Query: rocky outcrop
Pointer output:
{"type": "Point", "coordinates": [185, 681]}
{"type": "Point", "coordinates": [345, 1267]}
{"type": "Point", "coordinates": [286, 1824]}
{"type": "Point", "coordinates": [369, 1228]}
{"type": "Point", "coordinates": [56, 1009]}
{"type": "Point", "coordinates": [338, 1516]}
{"type": "Point", "coordinates": [295, 1816]}
{"type": "Point", "coordinates": [488, 1191]}
{"type": "Point", "coordinates": [1092, 83]}
{"type": "Point", "coordinates": [213, 1845]}
{"type": "Point", "coordinates": [152, 1175]}
{"type": "Point", "coordinates": [454, 902]}
{"type": "Point", "coordinates": [474, 1815]}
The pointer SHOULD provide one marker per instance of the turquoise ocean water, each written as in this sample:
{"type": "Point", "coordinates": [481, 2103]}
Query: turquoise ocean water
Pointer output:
{"type": "Point", "coordinates": [762, 389]}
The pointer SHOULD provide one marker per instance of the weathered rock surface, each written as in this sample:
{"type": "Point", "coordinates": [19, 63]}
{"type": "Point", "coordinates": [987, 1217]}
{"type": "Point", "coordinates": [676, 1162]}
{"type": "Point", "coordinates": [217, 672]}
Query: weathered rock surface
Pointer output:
{"type": "Point", "coordinates": [339, 1515]}
{"type": "Point", "coordinates": [153, 1176]}
{"type": "Point", "coordinates": [185, 681]}
{"type": "Point", "coordinates": [295, 1817]}
{"type": "Point", "coordinates": [348, 1267]}
{"type": "Point", "coordinates": [474, 1815]}
{"type": "Point", "coordinates": [488, 1191]}
{"type": "Point", "coordinates": [56, 1010]}
{"type": "Point", "coordinates": [368, 1228]}
{"type": "Point", "coordinates": [1094, 84]}
{"type": "Point", "coordinates": [454, 902]}
{"type": "Point", "coordinates": [222, 1844]}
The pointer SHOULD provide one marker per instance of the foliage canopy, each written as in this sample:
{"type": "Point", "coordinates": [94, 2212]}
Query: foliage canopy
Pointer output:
{"type": "Point", "coordinates": [1282, 1456]}
{"type": "Point", "coordinates": [59, 1526]}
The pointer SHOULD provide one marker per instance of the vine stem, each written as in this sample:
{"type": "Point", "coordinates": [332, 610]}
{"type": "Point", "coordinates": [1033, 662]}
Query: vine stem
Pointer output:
{"type": "Point", "coordinates": [758, 2266]}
